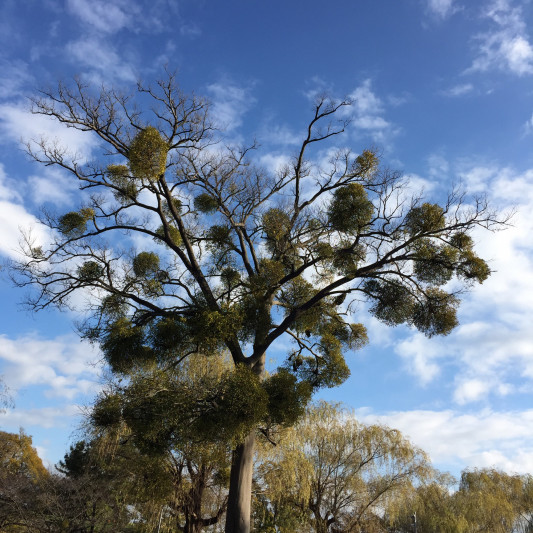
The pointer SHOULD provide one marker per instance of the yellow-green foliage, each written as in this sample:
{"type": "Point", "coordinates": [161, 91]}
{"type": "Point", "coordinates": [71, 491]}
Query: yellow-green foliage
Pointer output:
{"type": "Point", "coordinates": [276, 224]}
{"type": "Point", "coordinates": [461, 241]}
{"type": "Point", "coordinates": [19, 457]}
{"type": "Point", "coordinates": [205, 203]}
{"type": "Point", "coordinates": [472, 267]}
{"type": "Point", "coordinates": [433, 311]}
{"type": "Point", "coordinates": [168, 335]}
{"type": "Point", "coordinates": [210, 328]}
{"type": "Point", "coordinates": [124, 346]}
{"type": "Point", "coordinates": [74, 223]}
{"type": "Point", "coordinates": [436, 314]}
{"type": "Point", "coordinates": [287, 398]}
{"type": "Point", "coordinates": [425, 218]}
{"type": "Point", "coordinates": [347, 259]}
{"type": "Point", "coordinates": [206, 402]}
{"type": "Point", "coordinates": [145, 264]}
{"type": "Point", "coordinates": [351, 336]}
{"type": "Point", "coordinates": [176, 204]}
{"type": "Point", "coordinates": [271, 272]}
{"type": "Point", "coordinates": [358, 336]}
{"type": "Point", "coordinates": [230, 276]}
{"type": "Point", "coordinates": [433, 263]}
{"type": "Point", "coordinates": [366, 163]}
{"type": "Point", "coordinates": [240, 403]}
{"type": "Point", "coordinates": [350, 210]}
{"type": "Point", "coordinates": [107, 411]}
{"type": "Point", "coordinates": [331, 368]}
{"type": "Point", "coordinates": [127, 190]}
{"type": "Point", "coordinates": [219, 237]}
{"type": "Point", "coordinates": [90, 271]}
{"type": "Point", "coordinates": [329, 465]}
{"type": "Point", "coordinates": [393, 302]}
{"type": "Point", "coordinates": [113, 306]}
{"type": "Point", "coordinates": [148, 154]}
{"type": "Point", "coordinates": [173, 233]}
{"type": "Point", "coordinates": [324, 250]}
{"type": "Point", "coordinates": [294, 294]}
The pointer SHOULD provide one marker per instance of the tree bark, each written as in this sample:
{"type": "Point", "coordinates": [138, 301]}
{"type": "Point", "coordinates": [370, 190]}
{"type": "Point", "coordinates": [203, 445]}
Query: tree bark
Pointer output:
{"type": "Point", "coordinates": [240, 487]}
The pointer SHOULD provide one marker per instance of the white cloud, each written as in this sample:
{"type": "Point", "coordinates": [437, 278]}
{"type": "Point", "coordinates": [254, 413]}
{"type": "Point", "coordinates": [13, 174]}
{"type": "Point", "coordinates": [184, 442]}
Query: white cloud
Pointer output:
{"type": "Point", "coordinates": [438, 168]}
{"type": "Point", "coordinates": [366, 102]}
{"type": "Point", "coordinates": [459, 440]}
{"type": "Point", "coordinates": [8, 189]}
{"type": "Point", "coordinates": [506, 46]}
{"type": "Point", "coordinates": [100, 56]}
{"type": "Point", "coordinates": [64, 366]}
{"type": "Point", "coordinates": [230, 103]}
{"type": "Point", "coordinates": [416, 185]}
{"type": "Point", "coordinates": [14, 76]}
{"type": "Point", "coordinates": [368, 110]}
{"type": "Point", "coordinates": [14, 218]}
{"type": "Point", "coordinates": [111, 16]}
{"type": "Point", "coordinates": [442, 9]}
{"type": "Point", "coordinates": [45, 417]}
{"type": "Point", "coordinates": [471, 390]}
{"type": "Point", "coordinates": [279, 135]}
{"type": "Point", "coordinates": [190, 30]}
{"type": "Point", "coordinates": [19, 124]}
{"type": "Point", "coordinates": [103, 15]}
{"type": "Point", "coordinates": [54, 186]}
{"type": "Point", "coordinates": [274, 163]}
{"type": "Point", "coordinates": [458, 90]}
{"type": "Point", "coordinates": [528, 126]}
{"type": "Point", "coordinates": [491, 352]}
{"type": "Point", "coordinates": [420, 357]}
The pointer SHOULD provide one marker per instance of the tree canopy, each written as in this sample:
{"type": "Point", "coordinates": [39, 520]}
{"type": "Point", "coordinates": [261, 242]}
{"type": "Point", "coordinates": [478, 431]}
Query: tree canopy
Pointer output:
{"type": "Point", "coordinates": [331, 473]}
{"type": "Point", "coordinates": [183, 244]}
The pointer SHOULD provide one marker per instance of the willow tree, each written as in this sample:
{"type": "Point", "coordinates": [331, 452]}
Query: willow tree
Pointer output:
{"type": "Point", "coordinates": [335, 474]}
{"type": "Point", "coordinates": [182, 245]}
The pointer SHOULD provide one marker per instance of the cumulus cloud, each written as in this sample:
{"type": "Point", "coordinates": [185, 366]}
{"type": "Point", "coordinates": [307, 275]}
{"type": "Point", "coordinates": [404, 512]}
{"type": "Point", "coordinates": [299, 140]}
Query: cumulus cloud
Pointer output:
{"type": "Point", "coordinates": [64, 366]}
{"type": "Point", "coordinates": [507, 45]}
{"type": "Point", "coordinates": [44, 417]}
{"type": "Point", "coordinates": [19, 124]}
{"type": "Point", "coordinates": [420, 357]}
{"type": "Point", "coordinates": [14, 217]}
{"type": "Point", "coordinates": [491, 352]}
{"type": "Point", "coordinates": [368, 110]}
{"type": "Point", "coordinates": [50, 185]}
{"type": "Point", "coordinates": [279, 135]}
{"type": "Point", "coordinates": [459, 440]}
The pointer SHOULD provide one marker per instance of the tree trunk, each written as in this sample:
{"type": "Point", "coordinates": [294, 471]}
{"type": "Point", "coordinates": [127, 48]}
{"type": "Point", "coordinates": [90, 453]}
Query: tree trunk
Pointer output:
{"type": "Point", "coordinates": [240, 487]}
{"type": "Point", "coordinates": [242, 468]}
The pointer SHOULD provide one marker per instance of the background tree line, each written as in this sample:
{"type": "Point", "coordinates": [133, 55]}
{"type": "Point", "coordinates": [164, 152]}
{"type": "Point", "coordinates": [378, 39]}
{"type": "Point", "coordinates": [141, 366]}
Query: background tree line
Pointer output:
{"type": "Point", "coordinates": [327, 474]}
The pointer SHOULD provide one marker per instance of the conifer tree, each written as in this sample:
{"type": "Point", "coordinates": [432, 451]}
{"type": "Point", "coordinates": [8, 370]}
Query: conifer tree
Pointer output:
{"type": "Point", "coordinates": [182, 245]}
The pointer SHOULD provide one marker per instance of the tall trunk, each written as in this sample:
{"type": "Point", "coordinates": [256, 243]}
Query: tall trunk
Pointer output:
{"type": "Point", "coordinates": [242, 468]}
{"type": "Point", "coordinates": [240, 487]}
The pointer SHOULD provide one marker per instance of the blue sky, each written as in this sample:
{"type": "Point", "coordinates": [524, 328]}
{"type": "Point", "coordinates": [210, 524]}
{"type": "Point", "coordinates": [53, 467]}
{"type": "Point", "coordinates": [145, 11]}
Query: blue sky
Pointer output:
{"type": "Point", "coordinates": [444, 90]}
